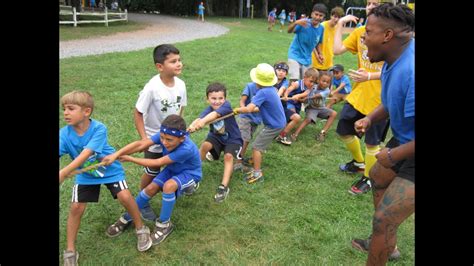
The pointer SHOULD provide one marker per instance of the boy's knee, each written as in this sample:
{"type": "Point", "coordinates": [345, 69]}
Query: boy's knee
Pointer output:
{"type": "Point", "coordinates": [77, 208]}
{"type": "Point", "coordinates": [125, 195]}
{"type": "Point", "coordinates": [333, 113]}
{"type": "Point", "coordinates": [228, 157]}
{"type": "Point", "coordinates": [170, 186]}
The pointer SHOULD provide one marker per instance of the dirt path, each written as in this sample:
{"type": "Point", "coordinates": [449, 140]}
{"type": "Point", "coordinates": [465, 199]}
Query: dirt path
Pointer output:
{"type": "Point", "coordinates": [163, 29]}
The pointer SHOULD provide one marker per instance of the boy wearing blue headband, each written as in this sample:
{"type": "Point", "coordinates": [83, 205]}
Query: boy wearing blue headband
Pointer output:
{"type": "Point", "coordinates": [183, 170]}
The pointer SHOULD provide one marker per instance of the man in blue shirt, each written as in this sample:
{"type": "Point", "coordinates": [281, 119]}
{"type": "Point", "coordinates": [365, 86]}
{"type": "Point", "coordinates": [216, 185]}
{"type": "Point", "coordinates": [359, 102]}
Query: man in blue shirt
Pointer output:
{"type": "Point", "coordinates": [308, 37]}
{"type": "Point", "coordinates": [389, 38]}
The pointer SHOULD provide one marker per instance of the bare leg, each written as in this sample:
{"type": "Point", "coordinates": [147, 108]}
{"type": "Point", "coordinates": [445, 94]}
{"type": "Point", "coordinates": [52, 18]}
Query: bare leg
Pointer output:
{"type": "Point", "coordinates": [257, 159]}
{"type": "Point", "coordinates": [331, 119]}
{"type": "Point", "coordinates": [303, 125]}
{"type": "Point", "coordinates": [228, 168]}
{"type": "Point", "coordinates": [205, 148]}
{"type": "Point", "coordinates": [145, 180]}
{"type": "Point", "coordinates": [294, 120]}
{"type": "Point", "coordinates": [397, 204]}
{"type": "Point", "coordinates": [73, 222]}
{"type": "Point", "coordinates": [127, 200]}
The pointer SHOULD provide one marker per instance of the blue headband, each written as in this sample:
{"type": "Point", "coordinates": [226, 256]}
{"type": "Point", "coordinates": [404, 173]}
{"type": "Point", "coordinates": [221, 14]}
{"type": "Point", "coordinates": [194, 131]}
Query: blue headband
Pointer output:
{"type": "Point", "coordinates": [172, 131]}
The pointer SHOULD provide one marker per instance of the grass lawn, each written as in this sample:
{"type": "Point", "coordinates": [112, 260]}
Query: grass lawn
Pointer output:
{"type": "Point", "coordinates": [302, 212]}
{"type": "Point", "coordinates": [83, 31]}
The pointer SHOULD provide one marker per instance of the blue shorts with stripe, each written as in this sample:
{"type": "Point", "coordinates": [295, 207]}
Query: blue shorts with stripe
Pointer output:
{"type": "Point", "coordinates": [183, 180]}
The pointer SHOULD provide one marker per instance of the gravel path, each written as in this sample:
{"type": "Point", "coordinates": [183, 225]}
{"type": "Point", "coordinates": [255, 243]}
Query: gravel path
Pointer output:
{"type": "Point", "coordinates": [164, 29]}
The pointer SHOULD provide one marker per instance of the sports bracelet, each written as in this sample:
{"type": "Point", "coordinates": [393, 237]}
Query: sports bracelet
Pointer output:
{"type": "Point", "coordinates": [368, 75]}
{"type": "Point", "coordinates": [389, 155]}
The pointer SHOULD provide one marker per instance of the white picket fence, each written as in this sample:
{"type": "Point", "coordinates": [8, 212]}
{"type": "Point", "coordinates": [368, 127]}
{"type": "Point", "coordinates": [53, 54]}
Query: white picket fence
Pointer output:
{"type": "Point", "coordinates": [108, 16]}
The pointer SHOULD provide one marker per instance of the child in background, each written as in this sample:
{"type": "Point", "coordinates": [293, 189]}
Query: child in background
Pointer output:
{"type": "Point", "coordinates": [183, 169]}
{"type": "Point", "coordinates": [273, 116]}
{"type": "Point", "coordinates": [271, 18]}
{"type": "Point", "coordinates": [85, 140]}
{"type": "Point", "coordinates": [310, 77]}
{"type": "Point", "coordinates": [224, 135]}
{"type": "Point", "coordinates": [164, 94]}
{"type": "Point", "coordinates": [316, 101]}
{"type": "Point", "coordinates": [282, 18]}
{"type": "Point", "coordinates": [342, 86]}
{"type": "Point", "coordinates": [292, 118]}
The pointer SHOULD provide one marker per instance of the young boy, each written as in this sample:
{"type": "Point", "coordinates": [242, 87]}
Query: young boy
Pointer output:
{"type": "Point", "coordinates": [248, 122]}
{"type": "Point", "coordinates": [183, 170]}
{"type": "Point", "coordinates": [311, 76]}
{"type": "Point", "coordinates": [282, 17]}
{"type": "Point", "coordinates": [273, 116]}
{"type": "Point", "coordinates": [85, 141]}
{"type": "Point", "coordinates": [316, 99]}
{"type": "Point", "coordinates": [328, 41]}
{"type": "Point", "coordinates": [271, 18]}
{"type": "Point", "coordinates": [163, 95]}
{"type": "Point", "coordinates": [308, 38]}
{"type": "Point", "coordinates": [224, 135]}
{"type": "Point", "coordinates": [292, 118]}
{"type": "Point", "coordinates": [342, 85]}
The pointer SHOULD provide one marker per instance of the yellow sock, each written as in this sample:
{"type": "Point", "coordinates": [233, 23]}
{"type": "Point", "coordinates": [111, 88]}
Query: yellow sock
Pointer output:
{"type": "Point", "coordinates": [370, 158]}
{"type": "Point", "coordinates": [353, 145]}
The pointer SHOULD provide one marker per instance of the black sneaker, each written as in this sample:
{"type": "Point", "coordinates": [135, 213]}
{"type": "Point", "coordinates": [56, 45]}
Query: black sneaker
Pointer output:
{"type": "Point", "coordinates": [352, 167]}
{"type": "Point", "coordinates": [361, 186]}
{"type": "Point", "coordinates": [363, 245]}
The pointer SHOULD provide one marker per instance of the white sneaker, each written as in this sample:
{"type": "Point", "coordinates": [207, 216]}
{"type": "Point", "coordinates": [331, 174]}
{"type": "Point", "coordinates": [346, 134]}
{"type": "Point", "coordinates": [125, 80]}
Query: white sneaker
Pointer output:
{"type": "Point", "coordinates": [209, 156]}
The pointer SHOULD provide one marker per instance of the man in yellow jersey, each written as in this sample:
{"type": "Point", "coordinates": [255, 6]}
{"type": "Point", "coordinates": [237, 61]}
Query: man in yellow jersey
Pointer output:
{"type": "Point", "coordinates": [328, 41]}
{"type": "Point", "coordinates": [363, 99]}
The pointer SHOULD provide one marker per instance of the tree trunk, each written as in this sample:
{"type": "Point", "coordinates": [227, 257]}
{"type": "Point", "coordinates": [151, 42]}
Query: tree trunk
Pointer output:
{"type": "Point", "coordinates": [209, 10]}
{"type": "Point", "coordinates": [265, 8]}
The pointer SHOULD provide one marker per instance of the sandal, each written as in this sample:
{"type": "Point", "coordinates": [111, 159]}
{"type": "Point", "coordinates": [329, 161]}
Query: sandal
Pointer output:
{"type": "Point", "coordinates": [117, 228]}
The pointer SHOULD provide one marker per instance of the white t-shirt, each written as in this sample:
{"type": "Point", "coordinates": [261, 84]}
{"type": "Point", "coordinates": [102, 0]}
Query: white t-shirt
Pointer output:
{"type": "Point", "coordinates": [156, 101]}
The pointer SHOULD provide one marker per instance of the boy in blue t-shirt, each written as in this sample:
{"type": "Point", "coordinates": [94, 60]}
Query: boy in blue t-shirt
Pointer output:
{"type": "Point", "coordinates": [311, 76]}
{"type": "Point", "coordinates": [308, 39]}
{"type": "Point", "coordinates": [316, 105]}
{"type": "Point", "coordinates": [183, 170]}
{"type": "Point", "coordinates": [342, 85]}
{"type": "Point", "coordinates": [85, 141]}
{"type": "Point", "coordinates": [268, 103]}
{"type": "Point", "coordinates": [248, 122]}
{"type": "Point", "coordinates": [224, 135]}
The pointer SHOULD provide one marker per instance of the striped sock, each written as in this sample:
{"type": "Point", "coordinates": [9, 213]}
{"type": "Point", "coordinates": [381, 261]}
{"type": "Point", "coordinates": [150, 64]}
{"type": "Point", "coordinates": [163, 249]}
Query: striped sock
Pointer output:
{"type": "Point", "coordinates": [167, 205]}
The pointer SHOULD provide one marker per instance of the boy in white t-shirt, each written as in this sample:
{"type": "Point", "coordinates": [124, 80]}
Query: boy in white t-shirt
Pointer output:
{"type": "Point", "coordinates": [163, 95]}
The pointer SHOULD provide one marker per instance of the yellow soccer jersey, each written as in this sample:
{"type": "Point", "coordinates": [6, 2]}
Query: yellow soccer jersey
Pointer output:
{"type": "Point", "coordinates": [365, 96]}
{"type": "Point", "coordinates": [326, 48]}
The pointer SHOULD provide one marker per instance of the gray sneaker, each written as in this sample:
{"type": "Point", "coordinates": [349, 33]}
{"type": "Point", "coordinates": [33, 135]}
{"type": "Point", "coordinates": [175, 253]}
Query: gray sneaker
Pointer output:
{"type": "Point", "coordinates": [118, 227]}
{"type": "Point", "coordinates": [70, 258]}
{"type": "Point", "coordinates": [144, 239]}
{"type": "Point", "coordinates": [147, 213]}
{"type": "Point", "coordinates": [209, 156]}
{"type": "Point", "coordinates": [222, 193]}
{"type": "Point", "coordinates": [285, 140]}
{"type": "Point", "coordinates": [162, 230]}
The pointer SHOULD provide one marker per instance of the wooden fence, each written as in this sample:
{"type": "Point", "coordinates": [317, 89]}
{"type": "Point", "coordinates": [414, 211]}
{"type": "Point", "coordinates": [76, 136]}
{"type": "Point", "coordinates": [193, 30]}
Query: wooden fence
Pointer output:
{"type": "Point", "coordinates": [107, 16]}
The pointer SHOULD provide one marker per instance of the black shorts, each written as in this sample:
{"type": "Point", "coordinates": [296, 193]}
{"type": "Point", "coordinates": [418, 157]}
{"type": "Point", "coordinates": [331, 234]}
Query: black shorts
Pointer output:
{"type": "Point", "coordinates": [152, 155]}
{"type": "Point", "coordinates": [90, 193]}
{"type": "Point", "coordinates": [405, 168]}
{"type": "Point", "coordinates": [349, 115]}
{"type": "Point", "coordinates": [218, 147]}
{"type": "Point", "coordinates": [288, 114]}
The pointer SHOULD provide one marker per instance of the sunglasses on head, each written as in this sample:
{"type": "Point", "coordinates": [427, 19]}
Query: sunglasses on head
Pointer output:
{"type": "Point", "coordinates": [282, 66]}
